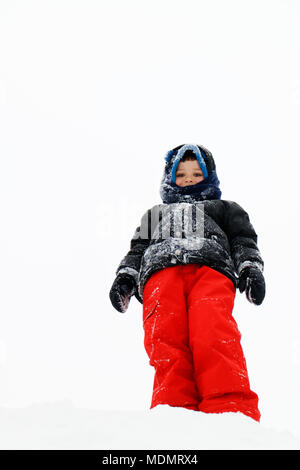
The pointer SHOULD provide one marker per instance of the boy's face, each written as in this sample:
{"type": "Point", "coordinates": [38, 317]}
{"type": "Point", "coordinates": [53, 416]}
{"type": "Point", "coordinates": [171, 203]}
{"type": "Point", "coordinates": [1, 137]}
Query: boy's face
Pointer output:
{"type": "Point", "coordinates": [188, 173]}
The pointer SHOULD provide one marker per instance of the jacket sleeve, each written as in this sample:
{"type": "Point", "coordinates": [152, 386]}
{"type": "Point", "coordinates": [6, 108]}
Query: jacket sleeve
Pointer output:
{"type": "Point", "coordinates": [242, 238]}
{"type": "Point", "coordinates": [131, 262]}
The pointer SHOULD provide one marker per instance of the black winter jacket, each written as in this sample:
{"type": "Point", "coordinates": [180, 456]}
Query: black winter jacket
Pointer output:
{"type": "Point", "coordinates": [193, 225]}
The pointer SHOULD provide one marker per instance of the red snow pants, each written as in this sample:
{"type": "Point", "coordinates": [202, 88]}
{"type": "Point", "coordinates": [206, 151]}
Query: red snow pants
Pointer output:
{"type": "Point", "coordinates": [193, 341]}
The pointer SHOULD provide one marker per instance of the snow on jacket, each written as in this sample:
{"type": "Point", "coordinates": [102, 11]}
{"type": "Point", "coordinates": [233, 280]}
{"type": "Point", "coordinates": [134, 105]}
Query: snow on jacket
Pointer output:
{"type": "Point", "coordinates": [192, 225]}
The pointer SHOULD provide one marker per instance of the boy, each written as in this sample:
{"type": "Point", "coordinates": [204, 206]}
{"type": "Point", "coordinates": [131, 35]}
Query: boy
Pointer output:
{"type": "Point", "coordinates": [186, 259]}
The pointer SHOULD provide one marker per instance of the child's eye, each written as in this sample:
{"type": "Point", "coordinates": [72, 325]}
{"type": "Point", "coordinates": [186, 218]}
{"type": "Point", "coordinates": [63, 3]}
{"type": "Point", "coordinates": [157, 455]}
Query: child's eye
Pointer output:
{"type": "Point", "coordinates": [179, 175]}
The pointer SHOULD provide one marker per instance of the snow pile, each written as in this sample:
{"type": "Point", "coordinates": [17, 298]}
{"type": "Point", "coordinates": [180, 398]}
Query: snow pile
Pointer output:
{"type": "Point", "coordinates": [60, 425]}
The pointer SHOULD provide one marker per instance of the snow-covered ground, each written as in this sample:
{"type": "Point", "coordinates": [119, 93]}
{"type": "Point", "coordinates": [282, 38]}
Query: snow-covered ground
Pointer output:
{"type": "Point", "coordinates": [60, 425]}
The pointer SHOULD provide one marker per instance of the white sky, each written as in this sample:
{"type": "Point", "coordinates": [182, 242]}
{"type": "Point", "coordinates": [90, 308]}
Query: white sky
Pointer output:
{"type": "Point", "coordinates": [92, 95]}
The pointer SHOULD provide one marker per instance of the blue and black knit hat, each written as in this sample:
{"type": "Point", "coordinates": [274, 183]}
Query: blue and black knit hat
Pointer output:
{"type": "Point", "coordinates": [206, 189]}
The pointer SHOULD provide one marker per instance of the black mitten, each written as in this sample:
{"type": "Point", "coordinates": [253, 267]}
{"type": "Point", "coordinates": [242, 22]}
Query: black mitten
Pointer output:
{"type": "Point", "coordinates": [252, 281]}
{"type": "Point", "coordinates": [123, 288]}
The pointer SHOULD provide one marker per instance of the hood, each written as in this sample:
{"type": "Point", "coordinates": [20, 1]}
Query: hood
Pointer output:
{"type": "Point", "coordinates": [207, 189]}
